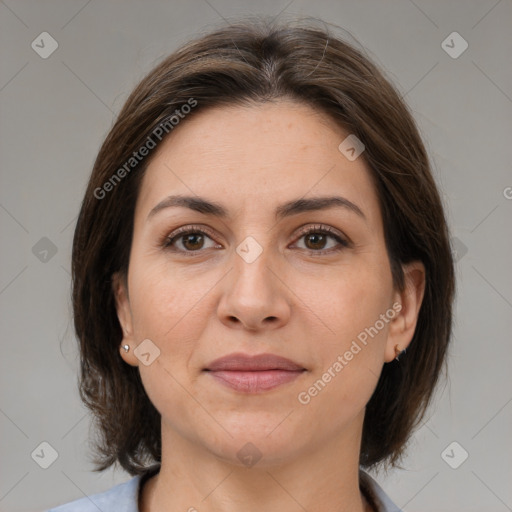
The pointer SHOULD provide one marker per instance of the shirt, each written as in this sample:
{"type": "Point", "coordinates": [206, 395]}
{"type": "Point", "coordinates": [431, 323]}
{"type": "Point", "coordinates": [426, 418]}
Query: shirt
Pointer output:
{"type": "Point", "coordinates": [124, 497]}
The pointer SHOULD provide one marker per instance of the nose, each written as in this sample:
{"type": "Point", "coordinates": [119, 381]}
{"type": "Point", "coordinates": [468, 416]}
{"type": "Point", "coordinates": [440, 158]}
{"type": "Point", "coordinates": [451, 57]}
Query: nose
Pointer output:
{"type": "Point", "coordinates": [255, 295]}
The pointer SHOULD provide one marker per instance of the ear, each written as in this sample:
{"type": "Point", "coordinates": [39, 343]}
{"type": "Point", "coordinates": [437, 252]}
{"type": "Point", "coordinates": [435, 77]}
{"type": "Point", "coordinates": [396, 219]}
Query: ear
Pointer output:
{"type": "Point", "coordinates": [124, 314]}
{"type": "Point", "coordinates": [402, 327]}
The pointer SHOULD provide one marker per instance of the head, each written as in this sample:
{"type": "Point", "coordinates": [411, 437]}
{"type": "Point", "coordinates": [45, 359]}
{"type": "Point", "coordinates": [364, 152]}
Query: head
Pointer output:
{"type": "Point", "coordinates": [251, 118]}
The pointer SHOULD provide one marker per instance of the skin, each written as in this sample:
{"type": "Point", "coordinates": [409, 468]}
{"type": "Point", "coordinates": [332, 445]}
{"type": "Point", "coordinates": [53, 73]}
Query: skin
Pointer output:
{"type": "Point", "coordinates": [290, 301]}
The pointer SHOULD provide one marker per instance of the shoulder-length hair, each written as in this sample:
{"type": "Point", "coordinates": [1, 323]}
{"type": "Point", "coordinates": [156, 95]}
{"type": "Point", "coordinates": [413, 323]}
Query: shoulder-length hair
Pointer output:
{"type": "Point", "coordinates": [246, 63]}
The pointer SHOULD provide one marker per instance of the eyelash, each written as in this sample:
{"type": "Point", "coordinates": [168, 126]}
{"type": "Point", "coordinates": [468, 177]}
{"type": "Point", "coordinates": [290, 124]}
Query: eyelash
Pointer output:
{"type": "Point", "coordinates": [188, 230]}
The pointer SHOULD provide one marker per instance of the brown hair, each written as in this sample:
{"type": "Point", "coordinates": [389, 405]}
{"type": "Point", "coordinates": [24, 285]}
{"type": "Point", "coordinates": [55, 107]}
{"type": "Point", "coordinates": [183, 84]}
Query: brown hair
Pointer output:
{"type": "Point", "coordinates": [259, 61]}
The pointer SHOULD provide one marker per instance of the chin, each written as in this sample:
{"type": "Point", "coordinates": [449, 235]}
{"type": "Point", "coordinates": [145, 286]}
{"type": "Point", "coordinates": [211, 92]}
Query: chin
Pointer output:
{"type": "Point", "coordinates": [249, 444]}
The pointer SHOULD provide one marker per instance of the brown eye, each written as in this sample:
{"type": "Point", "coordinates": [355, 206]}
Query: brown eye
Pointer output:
{"type": "Point", "coordinates": [317, 238]}
{"type": "Point", "coordinates": [188, 240]}
{"type": "Point", "coordinates": [193, 241]}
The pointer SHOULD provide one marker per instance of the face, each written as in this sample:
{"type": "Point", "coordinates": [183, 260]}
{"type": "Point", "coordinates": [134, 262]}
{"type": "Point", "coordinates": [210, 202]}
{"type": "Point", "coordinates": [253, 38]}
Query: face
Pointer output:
{"type": "Point", "coordinates": [309, 282]}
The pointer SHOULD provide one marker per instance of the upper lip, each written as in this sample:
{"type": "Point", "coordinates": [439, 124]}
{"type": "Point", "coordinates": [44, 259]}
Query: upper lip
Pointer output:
{"type": "Point", "coordinates": [244, 362]}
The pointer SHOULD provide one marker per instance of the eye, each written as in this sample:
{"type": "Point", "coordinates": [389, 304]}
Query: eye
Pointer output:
{"type": "Point", "coordinates": [315, 239]}
{"type": "Point", "coordinates": [191, 238]}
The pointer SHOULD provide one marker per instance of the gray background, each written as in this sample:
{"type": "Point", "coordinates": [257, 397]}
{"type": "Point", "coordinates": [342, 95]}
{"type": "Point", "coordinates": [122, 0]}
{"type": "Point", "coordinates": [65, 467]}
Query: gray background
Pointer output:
{"type": "Point", "coordinates": [55, 113]}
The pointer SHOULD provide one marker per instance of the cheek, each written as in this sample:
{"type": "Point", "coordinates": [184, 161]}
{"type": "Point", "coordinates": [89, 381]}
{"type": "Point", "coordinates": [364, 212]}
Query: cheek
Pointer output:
{"type": "Point", "coordinates": [172, 307]}
{"type": "Point", "coordinates": [163, 299]}
{"type": "Point", "coordinates": [356, 307]}
{"type": "Point", "coordinates": [354, 301]}
{"type": "Point", "coordinates": [167, 309]}
{"type": "Point", "coordinates": [350, 361]}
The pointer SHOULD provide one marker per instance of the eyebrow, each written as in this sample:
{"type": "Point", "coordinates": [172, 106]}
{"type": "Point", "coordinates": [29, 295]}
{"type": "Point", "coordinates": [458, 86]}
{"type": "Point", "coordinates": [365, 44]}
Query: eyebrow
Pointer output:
{"type": "Point", "coordinates": [204, 206]}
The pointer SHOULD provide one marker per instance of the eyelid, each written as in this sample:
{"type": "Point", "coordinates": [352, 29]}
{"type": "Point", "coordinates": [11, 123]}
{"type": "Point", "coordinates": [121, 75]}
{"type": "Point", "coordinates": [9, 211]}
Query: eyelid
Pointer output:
{"type": "Point", "coordinates": [190, 228]}
{"type": "Point", "coordinates": [325, 229]}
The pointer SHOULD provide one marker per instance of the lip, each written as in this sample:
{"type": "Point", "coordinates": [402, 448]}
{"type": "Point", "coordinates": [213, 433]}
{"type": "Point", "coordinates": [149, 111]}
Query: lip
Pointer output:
{"type": "Point", "coordinates": [247, 363]}
{"type": "Point", "coordinates": [254, 374]}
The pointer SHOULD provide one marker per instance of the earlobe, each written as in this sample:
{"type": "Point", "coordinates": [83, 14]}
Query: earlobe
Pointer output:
{"type": "Point", "coordinates": [403, 326]}
{"type": "Point", "coordinates": [124, 316]}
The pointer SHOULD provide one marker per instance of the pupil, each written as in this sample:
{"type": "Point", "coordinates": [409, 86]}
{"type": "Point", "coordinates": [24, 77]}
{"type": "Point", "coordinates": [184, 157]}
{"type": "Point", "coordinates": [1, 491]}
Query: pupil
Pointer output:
{"type": "Point", "coordinates": [317, 236]}
{"type": "Point", "coordinates": [188, 237]}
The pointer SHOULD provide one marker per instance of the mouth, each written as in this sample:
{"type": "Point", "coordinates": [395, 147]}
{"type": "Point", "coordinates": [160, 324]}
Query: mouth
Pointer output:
{"type": "Point", "coordinates": [254, 374]}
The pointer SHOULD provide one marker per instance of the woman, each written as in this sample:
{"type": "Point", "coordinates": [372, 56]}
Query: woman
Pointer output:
{"type": "Point", "coordinates": [262, 279]}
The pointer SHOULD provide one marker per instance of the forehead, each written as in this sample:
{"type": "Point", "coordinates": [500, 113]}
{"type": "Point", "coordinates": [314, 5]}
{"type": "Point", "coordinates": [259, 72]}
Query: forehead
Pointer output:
{"type": "Point", "coordinates": [261, 154]}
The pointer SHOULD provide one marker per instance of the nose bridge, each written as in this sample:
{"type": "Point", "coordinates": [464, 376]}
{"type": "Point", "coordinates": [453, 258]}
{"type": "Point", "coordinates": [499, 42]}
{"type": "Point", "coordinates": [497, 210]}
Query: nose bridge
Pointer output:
{"type": "Point", "coordinates": [254, 294]}
{"type": "Point", "coordinates": [257, 238]}
{"type": "Point", "coordinates": [252, 260]}
{"type": "Point", "coordinates": [254, 238]}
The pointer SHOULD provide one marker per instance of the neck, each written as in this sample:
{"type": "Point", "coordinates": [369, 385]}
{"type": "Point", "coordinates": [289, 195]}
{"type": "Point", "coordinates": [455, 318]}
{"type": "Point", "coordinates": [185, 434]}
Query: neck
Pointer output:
{"type": "Point", "coordinates": [324, 477]}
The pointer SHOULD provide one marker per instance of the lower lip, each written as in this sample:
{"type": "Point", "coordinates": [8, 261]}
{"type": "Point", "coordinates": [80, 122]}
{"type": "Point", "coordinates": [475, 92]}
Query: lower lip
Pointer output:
{"type": "Point", "coordinates": [256, 381]}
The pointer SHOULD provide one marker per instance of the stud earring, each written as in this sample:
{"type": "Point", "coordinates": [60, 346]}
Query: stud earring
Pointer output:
{"type": "Point", "coordinates": [126, 348]}
{"type": "Point", "coordinates": [398, 352]}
